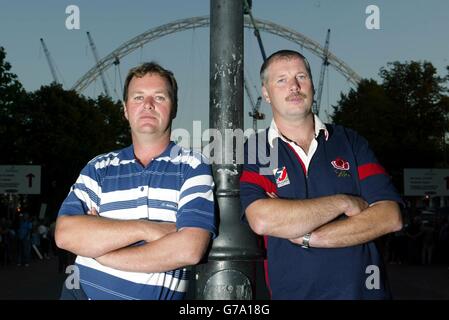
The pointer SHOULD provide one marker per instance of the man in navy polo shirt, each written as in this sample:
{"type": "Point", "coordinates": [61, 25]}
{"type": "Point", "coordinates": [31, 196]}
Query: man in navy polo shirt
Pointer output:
{"type": "Point", "coordinates": [324, 200]}
{"type": "Point", "coordinates": [136, 217]}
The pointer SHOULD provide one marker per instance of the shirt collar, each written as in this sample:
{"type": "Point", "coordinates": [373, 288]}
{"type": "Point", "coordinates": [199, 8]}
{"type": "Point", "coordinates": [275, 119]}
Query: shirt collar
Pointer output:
{"type": "Point", "coordinates": [274, 133]}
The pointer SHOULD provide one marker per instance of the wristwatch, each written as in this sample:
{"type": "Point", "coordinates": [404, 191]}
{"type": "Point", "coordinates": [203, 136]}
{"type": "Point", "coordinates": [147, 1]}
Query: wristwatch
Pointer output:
{"type": "Point", "coordinates": [305, 240]}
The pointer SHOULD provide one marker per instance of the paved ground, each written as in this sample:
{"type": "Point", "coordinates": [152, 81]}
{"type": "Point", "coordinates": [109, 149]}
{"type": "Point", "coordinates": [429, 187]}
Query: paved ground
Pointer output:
{"type": "Point", "coordinates": [419, 282]}
{"type": "Point", "coordinates": [41, 280]}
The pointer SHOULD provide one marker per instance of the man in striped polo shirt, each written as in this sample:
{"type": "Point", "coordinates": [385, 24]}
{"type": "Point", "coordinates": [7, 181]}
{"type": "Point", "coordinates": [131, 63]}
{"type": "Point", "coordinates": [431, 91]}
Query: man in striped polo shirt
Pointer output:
{"type": "Point", "coordinates": [138, 216]}
{"type": "Point", "coordinates": [323, 202]}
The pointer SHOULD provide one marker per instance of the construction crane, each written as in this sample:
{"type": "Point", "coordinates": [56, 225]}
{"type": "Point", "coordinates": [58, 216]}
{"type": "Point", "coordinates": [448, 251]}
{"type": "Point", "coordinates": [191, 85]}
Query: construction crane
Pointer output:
{"type": "Point", "coordinates": [50, 62]}
{"type": "Point", "coordinates": [322, 72]}
{"type": "Point", "coordinates": [117, 66]}
{"type": "Point", "coordinates": [247, 4]}
{"type": "Point", "coordinates": [255, 113]}
{"type": "Point", "coordinates": [94, 51]}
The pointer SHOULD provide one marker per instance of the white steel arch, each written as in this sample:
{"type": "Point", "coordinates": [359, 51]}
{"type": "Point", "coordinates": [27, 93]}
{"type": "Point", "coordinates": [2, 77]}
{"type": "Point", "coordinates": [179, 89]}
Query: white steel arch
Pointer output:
{"type": "Point", "coordinates": [198, 22]}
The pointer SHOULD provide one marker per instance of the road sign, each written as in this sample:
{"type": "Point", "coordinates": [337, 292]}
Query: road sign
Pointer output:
{"type": "Point", "coordinates": [422, 182]}
{"type": "Point", "coordinates": [20, 179]}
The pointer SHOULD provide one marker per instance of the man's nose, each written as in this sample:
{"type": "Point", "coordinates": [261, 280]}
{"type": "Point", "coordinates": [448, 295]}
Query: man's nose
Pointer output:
{"type": "Point", "coordinates": [295, 85]}
{"type": "Point", "coordinates": [148, 103]}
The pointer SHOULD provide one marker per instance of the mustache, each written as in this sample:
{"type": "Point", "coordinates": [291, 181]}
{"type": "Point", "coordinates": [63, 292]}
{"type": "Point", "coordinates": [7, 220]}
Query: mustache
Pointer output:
{"type": "Point", "coordinates": [295, 95]}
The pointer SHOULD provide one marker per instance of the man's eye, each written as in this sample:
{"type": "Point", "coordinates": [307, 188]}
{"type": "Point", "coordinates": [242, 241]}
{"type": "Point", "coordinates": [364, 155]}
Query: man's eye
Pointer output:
{"type": "Point", "coordinates": [138, 98]}
{"type": "Point", "coordinates": [159, 98]}
{"type": "Point", "coordinates": [281, 80]}
{"type": "Point", "coordinates": [302, 77]}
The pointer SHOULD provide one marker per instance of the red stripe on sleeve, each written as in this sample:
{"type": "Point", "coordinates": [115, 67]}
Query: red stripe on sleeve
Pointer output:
{"type": "Point", "coordinates": [268, 186]}
{"type": "Point", "coordinates": [370, 169]}
{"type": "Point", "coordinates": [260, 180]}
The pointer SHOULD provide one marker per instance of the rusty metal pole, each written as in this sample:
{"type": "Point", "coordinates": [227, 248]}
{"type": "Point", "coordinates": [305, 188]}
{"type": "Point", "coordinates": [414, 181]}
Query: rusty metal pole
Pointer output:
{"type": "Point", "coordinates": [230, 272]}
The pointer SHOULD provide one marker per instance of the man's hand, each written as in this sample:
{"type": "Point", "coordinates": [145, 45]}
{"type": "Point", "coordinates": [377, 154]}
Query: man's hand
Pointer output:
{"type": "Point", "coordinates": [93, 212]}
{"type": "Point", "coordinates": [157, 230]}
{"type": "Point", "coordinates": [272, 195]}
{"type": "Point", "coordinates": [355, 205]}
{"type": "Point", "coordinates": [176, 250]}
{"type": "Point", "coordinates": [299, 216]}
{"type": "Point", "coordinates": [297, 241]}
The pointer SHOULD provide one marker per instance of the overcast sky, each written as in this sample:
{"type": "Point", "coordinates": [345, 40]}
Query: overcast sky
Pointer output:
{"type": "Point", "coordinates": [409, 30]}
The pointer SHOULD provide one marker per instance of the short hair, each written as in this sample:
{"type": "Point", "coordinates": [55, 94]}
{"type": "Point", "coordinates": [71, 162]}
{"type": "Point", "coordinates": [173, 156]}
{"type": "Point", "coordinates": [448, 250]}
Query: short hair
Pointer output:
{"type": "Point", "coordinates": [284, 54]}
{"type": "Point", "coordinates": [150, 68]}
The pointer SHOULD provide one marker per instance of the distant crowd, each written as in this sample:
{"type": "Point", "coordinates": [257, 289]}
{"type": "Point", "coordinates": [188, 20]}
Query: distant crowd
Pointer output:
{"type": "Point", "coordinates": [26, 239]}
{"type": "Point", "coordinates": [421, 241]}
{"type": "Point", "coordinates": [424, 240]}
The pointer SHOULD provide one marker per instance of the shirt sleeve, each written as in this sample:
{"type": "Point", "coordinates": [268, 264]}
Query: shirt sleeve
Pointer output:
{"type": "Point", "coordinates": [84, 194]}
{"type": "Point", "coordinates": [253, 183]}
{"type": "Point", "coordinates": [196, 200]}
{"type": "Point", "coordinates": [375, 183]}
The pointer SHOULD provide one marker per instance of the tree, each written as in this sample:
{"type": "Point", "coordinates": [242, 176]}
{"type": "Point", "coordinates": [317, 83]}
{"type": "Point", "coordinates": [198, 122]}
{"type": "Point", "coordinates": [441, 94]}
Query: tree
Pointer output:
{"type": "Point", "coordinates": [12, 99]}
{"type": "Point", "coordinates": [56, 129]}
{"type": "Point", "coordinates": [367, 106]}
{"type": "Point", "coordinates": [64, 131]}
{"type": "Point", "coordinates": [405, 118]}
{"type": "Point", "coordinates": [420, 93]}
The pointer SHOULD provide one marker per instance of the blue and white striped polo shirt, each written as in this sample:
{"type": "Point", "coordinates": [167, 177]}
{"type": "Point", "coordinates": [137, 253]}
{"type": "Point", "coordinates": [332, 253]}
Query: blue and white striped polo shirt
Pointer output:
{"type": "Point", "coordinates": [176, 187]}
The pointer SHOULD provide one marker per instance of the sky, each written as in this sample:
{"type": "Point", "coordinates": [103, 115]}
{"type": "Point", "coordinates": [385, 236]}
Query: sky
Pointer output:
{"type": "Point", "coordinates": [408, 30]}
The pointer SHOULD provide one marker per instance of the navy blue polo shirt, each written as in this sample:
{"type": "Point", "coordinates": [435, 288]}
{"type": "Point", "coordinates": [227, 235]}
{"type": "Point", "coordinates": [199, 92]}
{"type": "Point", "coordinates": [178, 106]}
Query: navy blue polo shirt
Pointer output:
{"type": "Point", "coordinates": [343, 163]}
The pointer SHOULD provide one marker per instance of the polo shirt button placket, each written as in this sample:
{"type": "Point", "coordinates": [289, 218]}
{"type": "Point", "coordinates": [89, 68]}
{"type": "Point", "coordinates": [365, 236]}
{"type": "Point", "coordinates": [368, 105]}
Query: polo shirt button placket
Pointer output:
{"type": "Point", "coordinates": [146, 185]}
{"type": "Point", "coordinates": [143, 180]}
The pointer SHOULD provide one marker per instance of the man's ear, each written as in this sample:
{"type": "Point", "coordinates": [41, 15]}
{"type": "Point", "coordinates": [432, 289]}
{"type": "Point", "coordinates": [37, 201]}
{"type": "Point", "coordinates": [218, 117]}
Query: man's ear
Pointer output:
{"type": "Point", "coordinates": [125, 110]}
{"type": "Point", "coordinates": [265, 94]}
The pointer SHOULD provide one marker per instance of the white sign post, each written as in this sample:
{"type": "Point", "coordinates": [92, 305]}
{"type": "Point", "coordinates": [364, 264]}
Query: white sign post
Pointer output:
{"type": "Point", "coordinates": [426, 182]}
{"type": "Point", "coordinates": [20, 179]}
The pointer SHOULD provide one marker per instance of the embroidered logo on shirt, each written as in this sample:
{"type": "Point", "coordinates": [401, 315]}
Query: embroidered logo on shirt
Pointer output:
{"type": "Point", "coordinates": [281, 176]}
{"type": "Point", "coordinates": [342, 167]}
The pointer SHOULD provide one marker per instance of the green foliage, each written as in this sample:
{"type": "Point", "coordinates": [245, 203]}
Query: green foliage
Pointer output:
{"type": "Point", "coordinates": [12, 97]}
{"type": "Point", "coordinates": [405, 118]}
{"type": "Point", "coordinates": [65, 130]}
{"type": "Point", "coordinates": [57, 129]}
